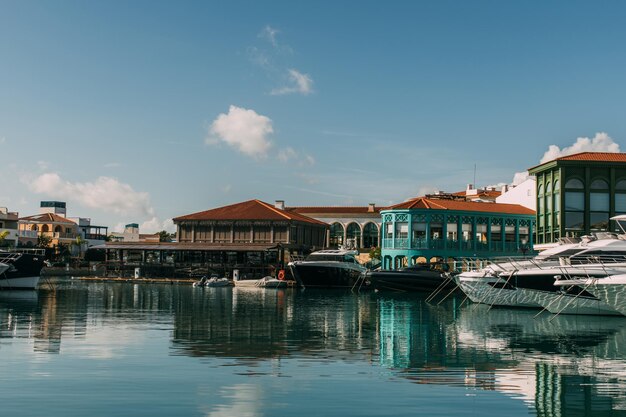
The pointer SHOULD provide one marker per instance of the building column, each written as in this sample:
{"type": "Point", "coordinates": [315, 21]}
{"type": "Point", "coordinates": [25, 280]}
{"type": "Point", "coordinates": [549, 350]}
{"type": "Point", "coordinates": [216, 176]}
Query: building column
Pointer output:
{"type": "Point", "coordinates": [193, 233]}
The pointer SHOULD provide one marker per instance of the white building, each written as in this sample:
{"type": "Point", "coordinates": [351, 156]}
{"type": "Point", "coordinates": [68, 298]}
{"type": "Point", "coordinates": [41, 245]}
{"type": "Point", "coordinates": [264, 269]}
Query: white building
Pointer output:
{"type": "Point", "coordinates": [8, 223]}
{"type": "Point", "coordinates": [524, 194]}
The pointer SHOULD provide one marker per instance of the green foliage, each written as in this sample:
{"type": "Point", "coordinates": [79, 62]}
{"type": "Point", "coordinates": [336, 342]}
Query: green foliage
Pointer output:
{"type": "Point", "coordinates": [164, 236]}
{"type": "Point", "coordinates": [375, 253]}
{"type": "Point", "coordinates": [43, 241]}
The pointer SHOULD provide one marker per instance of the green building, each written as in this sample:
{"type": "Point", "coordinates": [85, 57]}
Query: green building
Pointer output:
{"type": "Point", "coordinates": [578, 194]}
{"type": "Point", "coordinates": [427, 229]}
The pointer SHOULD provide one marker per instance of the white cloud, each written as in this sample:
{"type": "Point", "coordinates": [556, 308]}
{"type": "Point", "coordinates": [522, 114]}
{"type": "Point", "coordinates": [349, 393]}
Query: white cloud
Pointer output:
{"type": "Point", "coordinates": [601, 142]}
{"type": "Point", "coordinates": [298, 83]}
{"type": "Point", "coordinates": [520, 177]}
{"type": "Point", "coordinates": [155, 225]}
{"type": "Point", "coordinates": [243, 129]}
{"type": "Point", "coordinates": [269, 33]}
{"type": "Point", "coordinates": [289, 154]}
{"type": "Point", "coordinates": [284, 155]}
{"type": "Point", "coordinates": [104, 193]}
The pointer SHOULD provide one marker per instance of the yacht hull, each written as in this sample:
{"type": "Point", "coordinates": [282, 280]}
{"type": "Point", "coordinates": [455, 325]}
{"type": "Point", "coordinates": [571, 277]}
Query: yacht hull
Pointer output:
{"type": "Point", "coordinates": [327, 275]}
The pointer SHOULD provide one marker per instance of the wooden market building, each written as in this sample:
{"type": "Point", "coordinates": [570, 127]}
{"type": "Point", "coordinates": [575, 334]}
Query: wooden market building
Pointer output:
{"type": "Point", "coordinates": [252, 237]}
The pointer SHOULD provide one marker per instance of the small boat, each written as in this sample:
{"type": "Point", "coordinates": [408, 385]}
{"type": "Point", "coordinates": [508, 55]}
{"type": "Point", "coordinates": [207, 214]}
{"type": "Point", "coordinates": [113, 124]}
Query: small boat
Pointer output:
{"type": "Point", "coordinates": [20, 270]}
{"type": "Point", "coordinates": [265, 282]}
{"type": "Point", "coordinates": [214, 281]}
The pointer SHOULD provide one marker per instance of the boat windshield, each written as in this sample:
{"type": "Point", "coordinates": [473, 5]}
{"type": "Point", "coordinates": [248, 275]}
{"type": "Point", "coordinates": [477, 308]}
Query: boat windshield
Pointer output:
{"type": "Point", "coordinates": [330, 257]}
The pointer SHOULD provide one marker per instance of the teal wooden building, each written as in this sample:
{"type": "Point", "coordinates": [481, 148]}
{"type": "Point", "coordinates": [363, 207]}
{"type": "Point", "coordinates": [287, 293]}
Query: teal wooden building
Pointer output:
{"type": "Point", "coordinates": [434, 228]}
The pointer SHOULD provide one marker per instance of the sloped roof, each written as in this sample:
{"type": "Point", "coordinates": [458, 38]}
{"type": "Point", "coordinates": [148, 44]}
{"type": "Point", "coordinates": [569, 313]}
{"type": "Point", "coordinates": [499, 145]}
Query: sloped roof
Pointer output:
{"type": "Point", "coordinates": [436, 204]}
{"type": "Point", "coordinates": [248, 210]}
{"type": "Point", "coordinates": [590, 157]}
{"type": "Point", "coordinates": [48, 218]}
{"type": "Point", "coordinates": [331, 209]}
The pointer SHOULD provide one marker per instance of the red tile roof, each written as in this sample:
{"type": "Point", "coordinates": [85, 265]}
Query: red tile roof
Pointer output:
{"type": "Point", "coordinates": [591, 157]}
{"type": "Point", "coordinates": [248, 210]}
{"type": "Point", "coordinates": [48, 218]}
{"type": "Point", "coordinates": [479, 193]}
{"type": "Point", "coordinates": [330, 210]}
{"type": "Point", "coordinates": [441, 204]}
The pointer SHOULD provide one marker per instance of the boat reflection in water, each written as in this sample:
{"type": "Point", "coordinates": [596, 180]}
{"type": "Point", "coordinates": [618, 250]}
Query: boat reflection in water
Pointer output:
{"type": "Point", "coordinates": [550, 366]}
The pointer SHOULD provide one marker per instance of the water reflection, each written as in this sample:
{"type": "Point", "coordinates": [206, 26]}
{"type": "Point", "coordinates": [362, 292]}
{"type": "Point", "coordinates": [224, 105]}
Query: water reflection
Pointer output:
{"type": "Point", "coordinates": [558, 366]}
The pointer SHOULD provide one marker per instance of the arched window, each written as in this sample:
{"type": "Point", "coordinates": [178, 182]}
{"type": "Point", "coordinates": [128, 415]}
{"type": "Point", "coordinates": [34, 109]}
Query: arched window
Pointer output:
{"type": "Point", "coordinates": [541, 209]}
{"type": "Point", "coordinates": [574, 204]}
{"type": "Point", "coordinates": [557, 201]}
{"type": "Point", "coordinates": [34, 228]}
{"type": "Point", "coordinates": [574, 183]}
{"type": "Point", "coordinates": [370, 235]}
{"type": "Point", "coordinates": [353, 235]}
{"type": "Point", "coordinates": [58, 229]}
{"type": "Point", "coordinates": [336, 234]}
{"type": "Point", "coordinates": [599, 205]}
{"type": "Point", "coordinates": [44, 228]}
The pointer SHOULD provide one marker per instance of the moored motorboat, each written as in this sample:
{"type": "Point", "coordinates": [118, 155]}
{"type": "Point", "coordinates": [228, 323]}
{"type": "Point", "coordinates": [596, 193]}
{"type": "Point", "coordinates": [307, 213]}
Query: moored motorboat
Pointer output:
{"type": "Point", "coordinates": [265, 282]}
{"type": "Point", "coordinates": [531, 283]}
{"type": "Point", "coordinates": [419, 277]}
{"type": "Point", "coordinates": [20, 270]}
{"type": "Point", "coordinates": [214, 281]}
{"type": "Point", "coordinates": [332, 268]}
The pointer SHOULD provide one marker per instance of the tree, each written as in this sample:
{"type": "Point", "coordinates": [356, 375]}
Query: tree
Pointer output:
{"type": "Point", "coordinates": [375, 253]}
{"type": "Point", "coordinates": [164, 236]}
{"type": "Point", "coordinates": [3, 236]}
{"type": "Point", "coordinates": [43, 241]}
{"type": "Point", "coordinates": [79, 242]}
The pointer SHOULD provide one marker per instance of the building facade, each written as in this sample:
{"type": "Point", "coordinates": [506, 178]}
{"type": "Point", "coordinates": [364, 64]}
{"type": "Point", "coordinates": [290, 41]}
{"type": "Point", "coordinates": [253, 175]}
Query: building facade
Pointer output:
{"type": "Point", "coordinates": [8, 227]}
{"type": "Point", "coordinates": [432, 229]}
{"type": "Point", "coordinates": [252, 239]}
{"type": "Point", "coordinates": [352, 227]}
{"type": "Point", "coordinates": [578, 194]}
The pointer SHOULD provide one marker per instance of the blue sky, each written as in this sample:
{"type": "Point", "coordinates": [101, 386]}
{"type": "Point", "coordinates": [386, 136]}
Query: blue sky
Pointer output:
{"type": "Point", "coordinates": [142, 111]}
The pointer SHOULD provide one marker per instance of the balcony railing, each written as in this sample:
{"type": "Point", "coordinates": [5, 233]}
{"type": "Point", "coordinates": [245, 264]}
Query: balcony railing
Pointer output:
{"type": "Point", "coordinates": [452, 245]}
{"type": "Point", "coordinates": [54, 235]}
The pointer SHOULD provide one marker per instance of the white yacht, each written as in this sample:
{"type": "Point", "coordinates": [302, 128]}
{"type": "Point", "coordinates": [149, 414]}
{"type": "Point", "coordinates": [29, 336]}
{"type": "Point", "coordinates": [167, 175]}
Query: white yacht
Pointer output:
{"type": "Point", "coordinates": [330, 268]}
{"type": "Point", "coordinates": [531, 284]}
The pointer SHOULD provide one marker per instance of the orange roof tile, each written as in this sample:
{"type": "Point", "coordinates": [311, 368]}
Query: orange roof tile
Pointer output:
{"type": "Point", "coordinates": [436, 204]}
{"type": "Point", "coordinates": [48, 218]}
{"type": "Point", "coordinates": [591, 157]}
{"type": "Point", "coordinates": [248, 210]}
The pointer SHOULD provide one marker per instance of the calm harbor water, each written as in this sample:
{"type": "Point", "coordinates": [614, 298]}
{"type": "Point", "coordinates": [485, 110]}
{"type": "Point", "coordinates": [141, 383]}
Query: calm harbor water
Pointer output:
{"type": "Point", "coordinates": [124, 349]}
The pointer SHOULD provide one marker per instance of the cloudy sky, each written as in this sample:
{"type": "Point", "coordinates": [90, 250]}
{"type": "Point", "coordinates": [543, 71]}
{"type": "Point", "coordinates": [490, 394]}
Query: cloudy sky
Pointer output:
{"type": "Point", "coordinates": [142, 111]}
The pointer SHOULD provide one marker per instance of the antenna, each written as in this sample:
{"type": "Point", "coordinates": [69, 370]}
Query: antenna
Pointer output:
{"type": "Point", "coordinates": [475, 176]}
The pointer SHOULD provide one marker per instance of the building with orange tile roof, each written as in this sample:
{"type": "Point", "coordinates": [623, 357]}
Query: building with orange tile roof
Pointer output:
{"type": "Point", "coordinates": [578, 194]}
{"type": "Point", "coordinates": [445, 227]}
{"type": "Point", "coordinates": [355, 227]}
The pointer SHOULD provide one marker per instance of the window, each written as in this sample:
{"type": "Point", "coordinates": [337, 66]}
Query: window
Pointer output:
{"type": "Point", "coordinates": [599, 205]}
{"type": "Point", "coordinates": [419, 231]}
{"type": "Point", "coordinates": [452, 232]}
{"type": "Point", "coordinates": [336, 234]}
{"type": "Point", "coordinates": [353, 233]}
{"type": "Point", "coordinates": [574, 204]}
{"type": "Point", "coordinates": [402, 230]}
{"type": "Point", "coordinates": [370, 235]}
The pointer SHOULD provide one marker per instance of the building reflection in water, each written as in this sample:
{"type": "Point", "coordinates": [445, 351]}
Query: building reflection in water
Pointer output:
{"type": "Point", "coordinates": [567, 366]}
